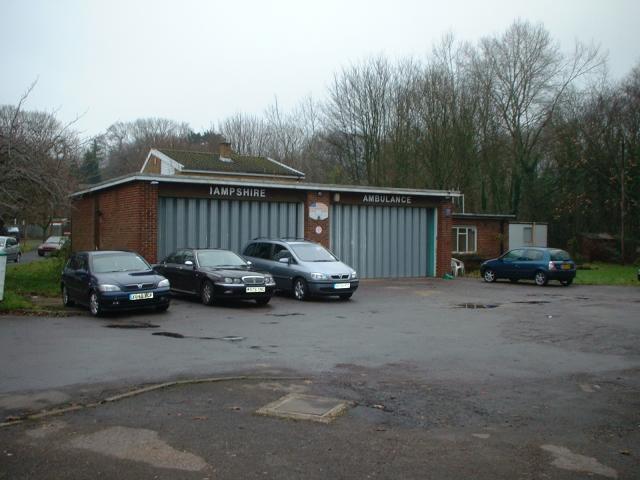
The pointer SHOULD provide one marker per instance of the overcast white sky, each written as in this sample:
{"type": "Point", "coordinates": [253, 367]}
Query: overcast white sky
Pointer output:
{"type": "Point", "coordinates": [199, 61]}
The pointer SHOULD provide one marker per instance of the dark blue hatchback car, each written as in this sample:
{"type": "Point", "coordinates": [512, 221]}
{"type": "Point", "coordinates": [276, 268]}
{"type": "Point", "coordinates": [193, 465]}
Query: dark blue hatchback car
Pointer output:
{"type": "Point", "coordinates": [113, 280]}
{"type": "Point", "coordinates": [532, 263]}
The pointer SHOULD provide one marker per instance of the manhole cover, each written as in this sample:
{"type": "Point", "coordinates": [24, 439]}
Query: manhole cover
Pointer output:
{"type": "Point", "coordinates": [305, 407]}
{"type": "Point", "coordinates": [477, 305]}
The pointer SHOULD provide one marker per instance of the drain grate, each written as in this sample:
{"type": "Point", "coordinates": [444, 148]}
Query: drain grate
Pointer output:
{"type": "Point", "coordinates": [305, 407]}
{"type": "Point", "coordinates": [474, 306]}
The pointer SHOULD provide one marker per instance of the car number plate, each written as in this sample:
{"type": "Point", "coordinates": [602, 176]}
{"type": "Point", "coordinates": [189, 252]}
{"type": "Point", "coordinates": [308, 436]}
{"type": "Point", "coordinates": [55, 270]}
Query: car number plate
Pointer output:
{"type": "Point", "coordinates": [140, 296]}
{"type": "Point", "coordinates": [256, 289]}
{"type": "Point", "coordinates": [338, 286]}
{"type": "Point", "coordinates": [566, 266]}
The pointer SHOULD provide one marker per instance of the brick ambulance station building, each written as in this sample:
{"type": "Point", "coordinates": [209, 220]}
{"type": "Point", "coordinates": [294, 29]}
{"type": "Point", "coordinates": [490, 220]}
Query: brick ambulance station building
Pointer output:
{"type": "Point", "coordinates": [222, 200]}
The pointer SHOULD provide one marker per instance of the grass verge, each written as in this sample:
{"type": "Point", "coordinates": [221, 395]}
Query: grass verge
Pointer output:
{"type": "Point", "coordinates": [608, 274]}
{"type": "Point", "coordinates": [29, 245]}
{"type": "Point", "coordinates": [22, 281]}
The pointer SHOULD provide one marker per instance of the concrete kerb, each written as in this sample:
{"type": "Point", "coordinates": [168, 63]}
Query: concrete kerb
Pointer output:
{"type": "Point", "coordinates": [132, 393]}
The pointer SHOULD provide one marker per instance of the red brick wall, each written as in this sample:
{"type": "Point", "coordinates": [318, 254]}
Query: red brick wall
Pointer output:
{"type": "Point", "coordinates": [488, 235]}
{"type": "Point", "coordinates": [82, 225]}
{"type": "Point", "coordinates": [310, 225]}
{"type": "Point", "coordinates": [127, 220]}
{"type": "Point", "coordinates": [443, 248]}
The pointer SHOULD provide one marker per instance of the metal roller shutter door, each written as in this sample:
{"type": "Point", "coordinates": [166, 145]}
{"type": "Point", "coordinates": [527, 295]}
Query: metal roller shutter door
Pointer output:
{"type": "Point", "coordinates": [229, 224]}
{"type": "Point", "coordinates": [384, 242]}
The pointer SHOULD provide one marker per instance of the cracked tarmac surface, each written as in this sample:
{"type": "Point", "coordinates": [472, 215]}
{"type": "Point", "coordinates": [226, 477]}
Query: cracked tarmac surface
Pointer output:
{"type": "Point", "coordinates": [526, 390]}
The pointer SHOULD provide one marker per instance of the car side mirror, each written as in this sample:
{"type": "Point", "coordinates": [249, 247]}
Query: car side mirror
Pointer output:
{"type": "Point", "coordinates": [249, 262]}
{"type": "Point", "coordinates": [286, 260]}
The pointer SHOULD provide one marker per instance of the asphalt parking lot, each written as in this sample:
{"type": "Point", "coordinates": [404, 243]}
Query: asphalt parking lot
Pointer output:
{"type": "Point", "coordinates": [455, 379]}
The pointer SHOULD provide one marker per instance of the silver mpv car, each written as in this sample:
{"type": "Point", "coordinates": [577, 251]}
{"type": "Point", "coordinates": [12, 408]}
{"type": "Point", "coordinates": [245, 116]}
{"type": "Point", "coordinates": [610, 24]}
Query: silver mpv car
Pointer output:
{"type": "Point", "coordinates": [304, 268]}
{"type": "Point", "coordinates": [11, 248]}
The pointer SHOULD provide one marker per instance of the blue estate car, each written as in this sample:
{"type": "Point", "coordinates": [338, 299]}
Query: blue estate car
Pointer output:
{"type": "Point", "coordinates": [532, 263]}
{"type": "Point", "coordinates": [113, 280]}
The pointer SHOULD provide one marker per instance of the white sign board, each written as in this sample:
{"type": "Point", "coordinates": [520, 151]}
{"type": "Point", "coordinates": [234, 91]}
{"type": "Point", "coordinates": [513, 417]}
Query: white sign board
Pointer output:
{"type": "Point", "coordinates": [3, 269]}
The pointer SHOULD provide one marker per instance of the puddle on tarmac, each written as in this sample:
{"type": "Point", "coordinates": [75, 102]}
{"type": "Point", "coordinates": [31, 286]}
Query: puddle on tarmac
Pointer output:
{"type": "Point", "coordinates": [533, 302]}
{"type": "Point", "coordinates": [169, 334]}
{"type": "Point", "coordinates": [474, 306]}
{"type": "Point", "coordinates": [283, 314]}
{"type": "Point", "coordinates": [132, 325]}
{"type": "Point", "coordinates": [230, 338]}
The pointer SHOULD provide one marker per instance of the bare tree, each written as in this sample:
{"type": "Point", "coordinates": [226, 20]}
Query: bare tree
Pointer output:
{"type": "Point", "coordinates": [127, 143]}
{"type": "Point", "coordinates": [528, 75]}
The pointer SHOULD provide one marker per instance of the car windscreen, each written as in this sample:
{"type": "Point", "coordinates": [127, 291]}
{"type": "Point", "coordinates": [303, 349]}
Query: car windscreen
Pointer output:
{"type": "Point", "coordinates": [53, 240]}
{"type": "Point", "coordinates": [118, 262]}
{"type": "Point", "coordinates": [219, 258]}
{"type": "Point", "coordinates": [559, 255]}
{"type": "Point", "coordinates": [309, 252]}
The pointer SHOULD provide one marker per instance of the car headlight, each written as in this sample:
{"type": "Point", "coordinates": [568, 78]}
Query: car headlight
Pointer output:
{"type": "Point", "coordinates": [163, 283]}
{"type": "Point", "coordinates": [318, 276]}
{"type": "Point", "coordinates": [354, 274]}
{"type": "Point", "coordinates": [228, 280]}
{"type": "Point", "coordinates": [105, 287]}
{"type": "Point", "coordinates": [268, 279]}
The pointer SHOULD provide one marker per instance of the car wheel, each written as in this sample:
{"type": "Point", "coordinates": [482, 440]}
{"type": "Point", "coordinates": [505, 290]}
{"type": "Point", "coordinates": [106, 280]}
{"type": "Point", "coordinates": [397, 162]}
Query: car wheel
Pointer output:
{"type": "Point", "coordinates": [541, 278]}
{"type": "Point", "coordinates": [18, 257]}
{"type": "Point", "coordinates": [40, 254]}
{"type": "Point", "coordinates": [566, 283]}
{"type": "Point", "coordinates": [206, 294]}
{"type": "Point", "coordinates": [513, 280]}
{"type": "Point", "coordinates": [162, 308]}
{"type": "Point", "coordinates": [263, 301]}
{"type": "Point", "coordinates": [345, 296]}
{"type": "Point", "coordinates": [94, 305]}
{"type": "Point", "coordinates": [489, 276]}
{"type": "Point", "coordinates": [66, 300]}
{"type": "Point", "coordinates": [300, 289]}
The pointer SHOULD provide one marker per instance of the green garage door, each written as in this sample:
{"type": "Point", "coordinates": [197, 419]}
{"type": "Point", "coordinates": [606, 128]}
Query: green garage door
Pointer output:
{"type": "Point", "coordinates": [229, 224]}
{"type": "Point", "coordinates": [384, 242]}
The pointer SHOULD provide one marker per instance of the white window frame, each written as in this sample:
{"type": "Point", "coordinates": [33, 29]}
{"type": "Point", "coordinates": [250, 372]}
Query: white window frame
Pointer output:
{"type": "Point", "coordinates": [457, 229]}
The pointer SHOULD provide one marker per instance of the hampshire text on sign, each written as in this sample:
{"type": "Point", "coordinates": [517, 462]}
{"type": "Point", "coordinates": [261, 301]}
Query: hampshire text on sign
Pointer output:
{"type": "Point", "coordinates": [238, 192]}
{"type": "Point", "coordinates": [395, 199]}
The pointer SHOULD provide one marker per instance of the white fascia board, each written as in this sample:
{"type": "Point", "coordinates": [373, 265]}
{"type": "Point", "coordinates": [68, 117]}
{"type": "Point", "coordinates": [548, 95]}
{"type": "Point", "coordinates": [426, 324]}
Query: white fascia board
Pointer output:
{"type": "Point", "coordinates": [297, 172]}
{"type": "Point", "coordinates": [166, 158]}
{"type": "Point", "coordinates": [321, 187]}
{"type": "Point", "coordinates": [240, 174]}
{"type": "Point", "coordinates": [144, 165]}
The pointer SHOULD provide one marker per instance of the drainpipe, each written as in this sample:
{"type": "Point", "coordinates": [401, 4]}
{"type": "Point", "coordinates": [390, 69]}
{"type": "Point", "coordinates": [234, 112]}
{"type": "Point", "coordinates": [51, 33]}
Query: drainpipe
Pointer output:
{"type": "Point", "coordinates": [533, 234]}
